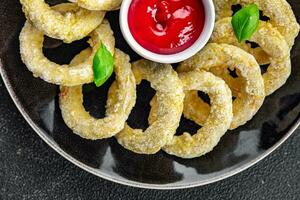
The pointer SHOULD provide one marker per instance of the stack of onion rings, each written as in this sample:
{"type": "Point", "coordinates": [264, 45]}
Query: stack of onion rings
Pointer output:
{"type": "Point", "coordinates": [217, 121]}
{"type": "Point", "coordinates": [169, 93]}
{"type": "Point", "coordinates": [176, 93]}
{"type": "Point", "coordinates": [279, 11]}
{"type": "Point", "coordinates": [31, 49]}
{"type": "Point", "coordinates": [223, 56]}
{"type": "Point", "coordinates": [270, 41]}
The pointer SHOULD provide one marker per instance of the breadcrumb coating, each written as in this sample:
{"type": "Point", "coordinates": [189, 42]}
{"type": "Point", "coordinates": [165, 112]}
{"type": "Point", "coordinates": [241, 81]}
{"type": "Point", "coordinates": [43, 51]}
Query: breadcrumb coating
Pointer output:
{"type": "Point", "coordinates": [86, 126]}
{"type": "Point", "coordinates": [170, 97]}
{"type": "Point", "coordinates": [270, 41]}
{"type": "Point", "coordinates": [66, 21]}
{"type": "Point", "coordinates": [31, 50]}
{"type": "Point", "coordinates": [279, 11]}
{"type": "Point", "coordinates": [217, 122]}
{"type": "Point", "coordinates": [223, 56]}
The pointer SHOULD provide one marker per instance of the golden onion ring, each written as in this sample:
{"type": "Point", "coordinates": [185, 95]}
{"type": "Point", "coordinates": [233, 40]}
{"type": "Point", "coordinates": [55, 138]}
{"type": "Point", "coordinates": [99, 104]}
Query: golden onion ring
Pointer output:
{"type": "Point", "coordinates": [170, 104]}
{"type": "Point", "coordinates": [98, 4]}
{"type": "Point", "coordinates": [194, 102]}
{"type": "Point", "coordinates": [66, 21]}
{"type": "Point", "coordinates": [80, 121]}
{"type": "Point", "coordinates": [216, 124]}
{"type": "Point", "coordinates": [31, 49]}
{"type": "Point", "coordinates": [279, 11]}
{"type": "Point", "coordinates": [223, 56]}
{"type": "Point", "coordinates": [270, 41]}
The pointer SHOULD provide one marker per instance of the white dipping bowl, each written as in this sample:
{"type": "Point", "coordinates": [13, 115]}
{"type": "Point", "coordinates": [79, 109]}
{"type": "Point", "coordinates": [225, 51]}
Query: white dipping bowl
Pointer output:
{"type": "Point", "coordinates": [170, 58]}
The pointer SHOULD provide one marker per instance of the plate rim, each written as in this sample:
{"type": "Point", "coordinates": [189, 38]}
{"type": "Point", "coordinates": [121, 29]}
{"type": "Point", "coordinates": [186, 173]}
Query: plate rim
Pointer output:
{"type": "Point", "coordinates": [43, 135]}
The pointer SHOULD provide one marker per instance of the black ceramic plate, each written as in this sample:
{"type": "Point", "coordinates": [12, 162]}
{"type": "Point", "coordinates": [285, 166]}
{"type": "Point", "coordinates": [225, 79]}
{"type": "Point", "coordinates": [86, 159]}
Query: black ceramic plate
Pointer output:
{"type": "Point", "coordinates": [37, 101]}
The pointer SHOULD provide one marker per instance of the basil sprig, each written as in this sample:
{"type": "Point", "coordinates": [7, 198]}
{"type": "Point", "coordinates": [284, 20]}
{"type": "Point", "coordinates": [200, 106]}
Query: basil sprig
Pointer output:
{"type": "Point", "coordinates": [103, 65]}
{"type": "Point", "coordinates": [245, 22]}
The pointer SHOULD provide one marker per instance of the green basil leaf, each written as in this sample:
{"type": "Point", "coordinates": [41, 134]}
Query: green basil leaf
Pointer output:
{"type": "Point", "coordinates": [103, 65]}
{"type": "Point", "coordinates": [245, 22]}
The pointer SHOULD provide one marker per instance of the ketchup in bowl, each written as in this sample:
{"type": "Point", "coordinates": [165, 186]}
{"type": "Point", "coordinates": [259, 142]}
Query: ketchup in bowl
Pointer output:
{"type": "Point", "coordinates": [166, 26]}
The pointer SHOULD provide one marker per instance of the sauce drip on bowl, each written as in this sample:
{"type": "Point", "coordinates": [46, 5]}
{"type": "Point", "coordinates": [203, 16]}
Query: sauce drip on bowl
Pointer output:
{"type": "Point", "coordinates": [166, 26]}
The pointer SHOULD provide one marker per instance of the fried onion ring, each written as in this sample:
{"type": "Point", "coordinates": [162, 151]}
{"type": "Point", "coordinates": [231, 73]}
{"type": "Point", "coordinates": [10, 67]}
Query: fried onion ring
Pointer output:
{"type": "Point", "coordinates": [98, 4]}
{"type": "Point", "coordinates": [279, 11]}
{"type": "Point", "coordinates": [270, 41]}
{"type": "Point", "coordinates": [217, 122]}
{"type": "Point", "coordinates": [248, 100]}
{"type": "Point", "coordinates": [170, 97]}
{"type": "Point", "coordinates": [31, 49]}
{"type": "Point", "coordinates": [80, 121]}
{"type": "Point", "coordinates": [66, 21]}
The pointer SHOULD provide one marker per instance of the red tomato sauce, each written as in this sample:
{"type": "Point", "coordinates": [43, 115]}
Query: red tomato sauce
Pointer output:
{"type": "Point", "coordinates": [166, 26]}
